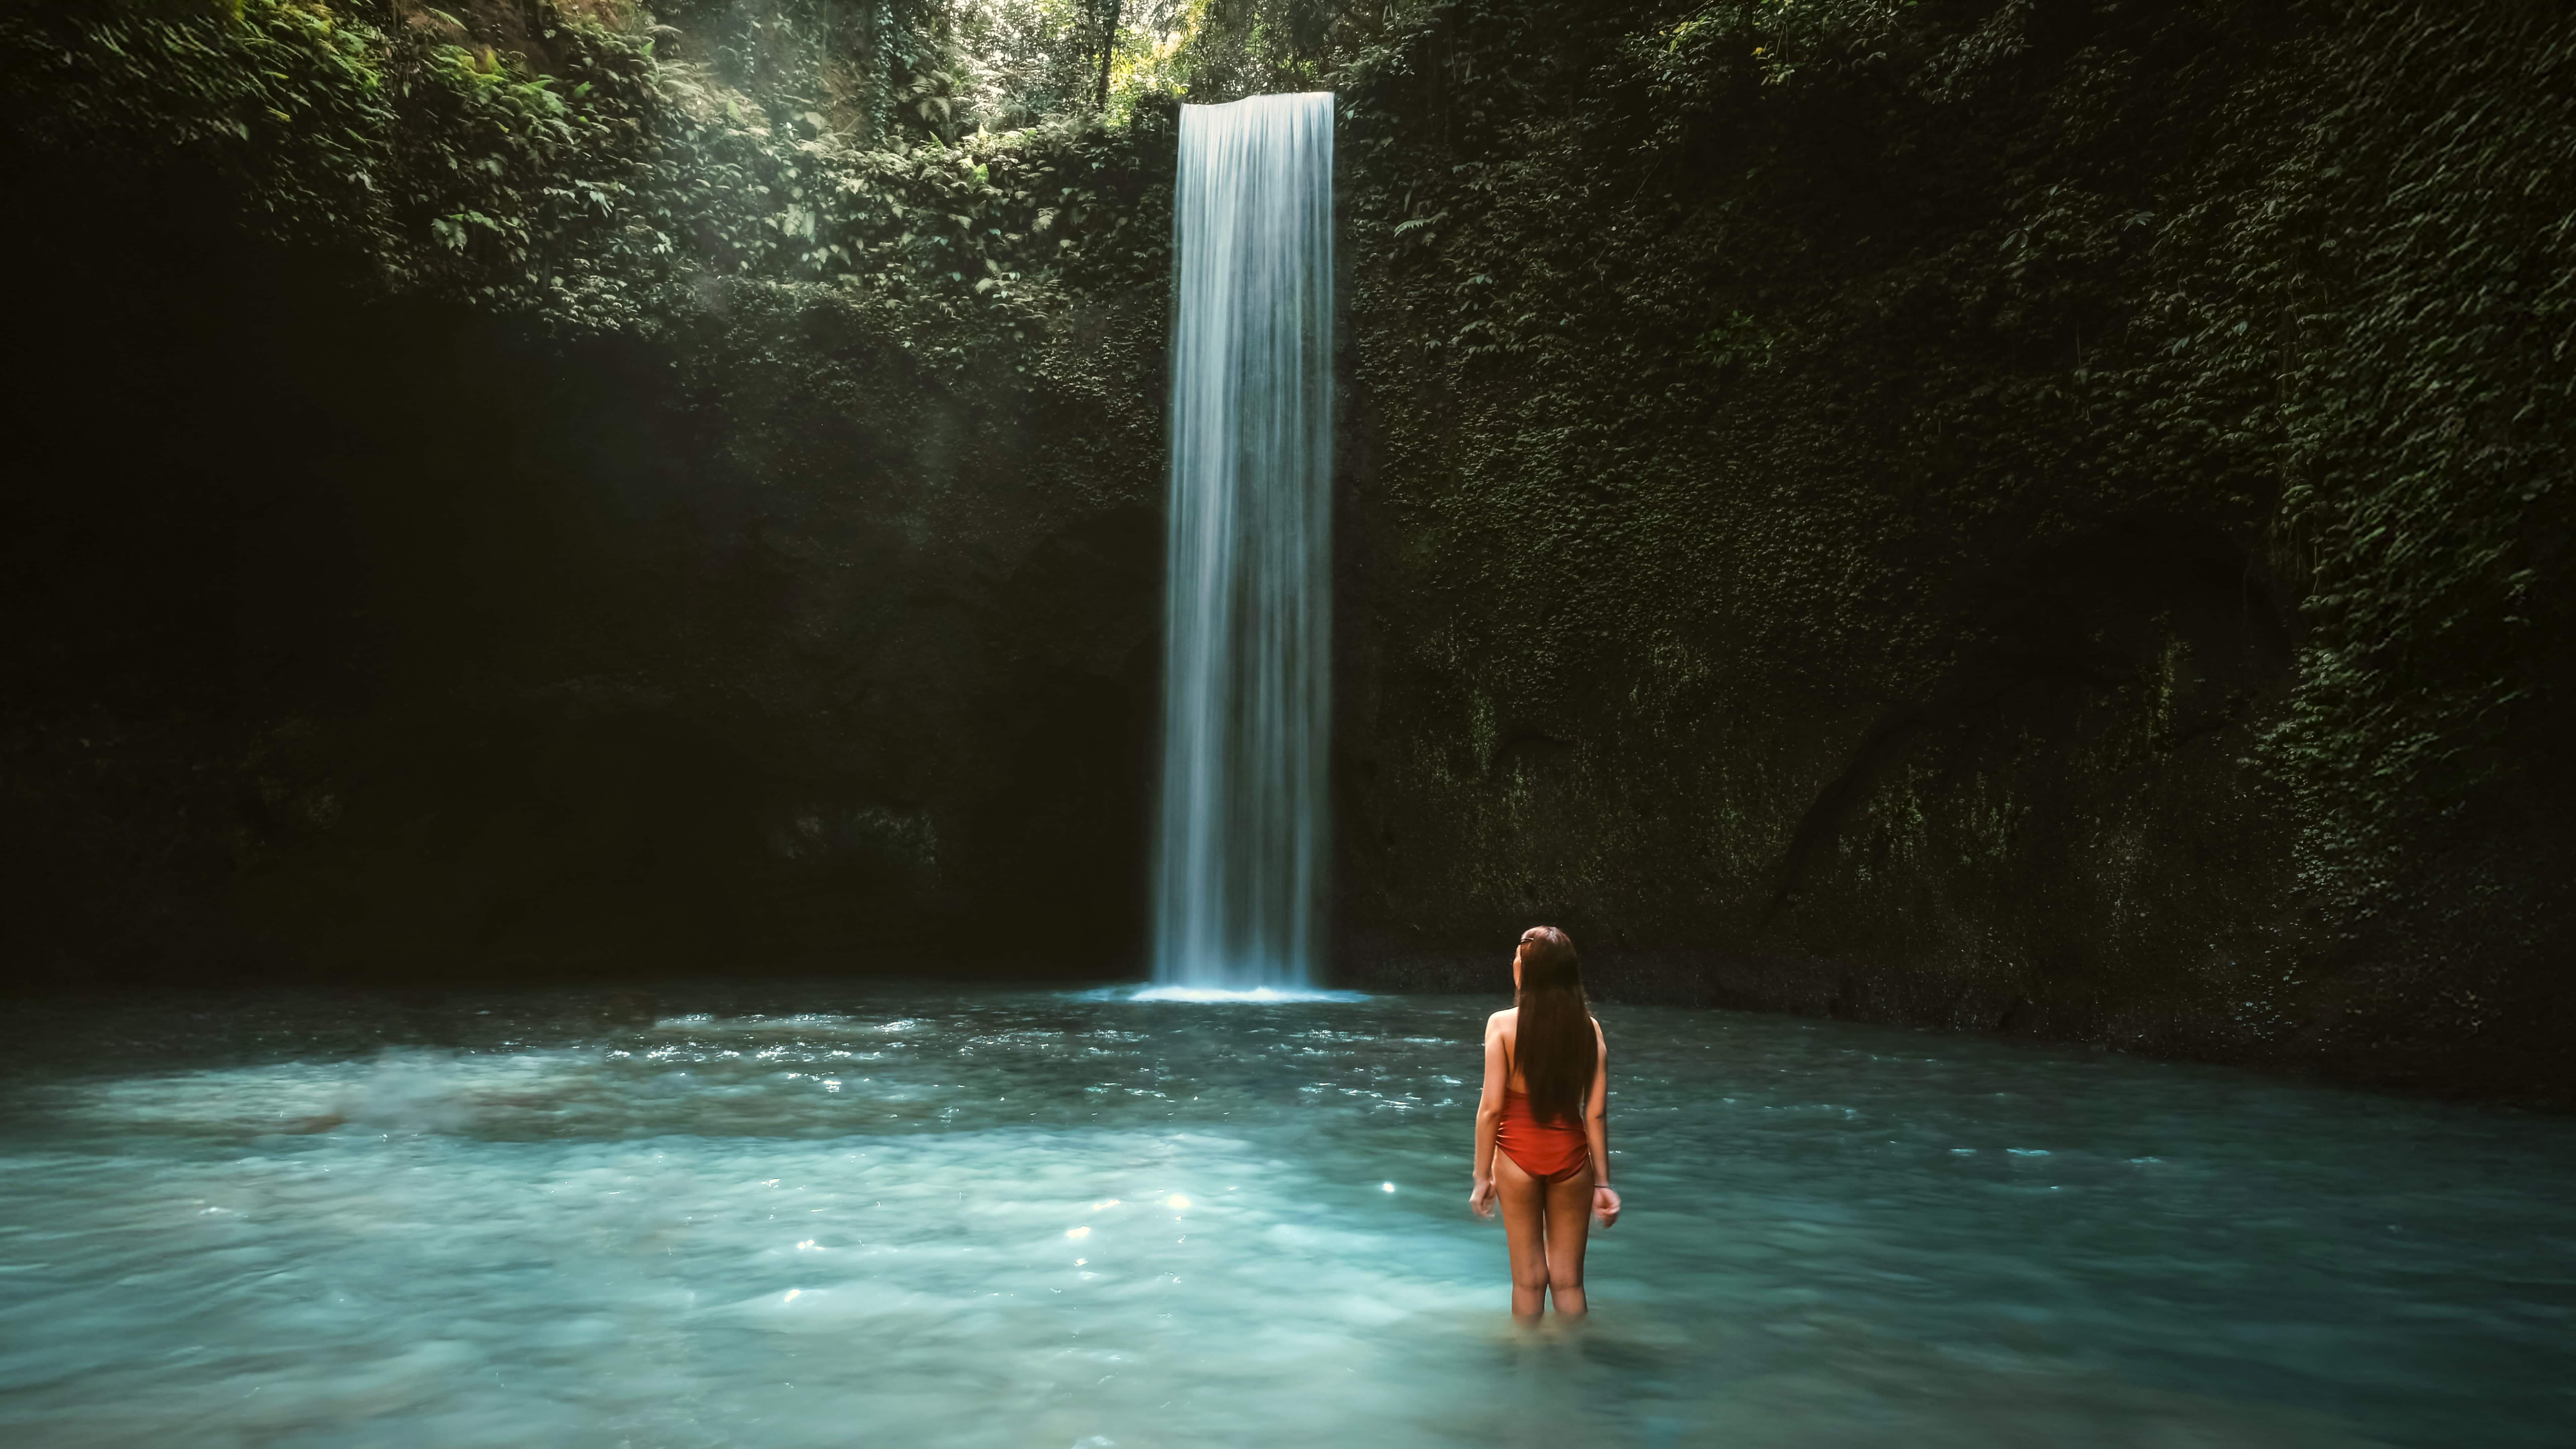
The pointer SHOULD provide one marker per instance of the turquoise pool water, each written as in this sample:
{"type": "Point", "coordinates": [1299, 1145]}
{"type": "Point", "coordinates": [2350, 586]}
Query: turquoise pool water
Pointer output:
{"type": "Point", "coordinates": [811, 1216]}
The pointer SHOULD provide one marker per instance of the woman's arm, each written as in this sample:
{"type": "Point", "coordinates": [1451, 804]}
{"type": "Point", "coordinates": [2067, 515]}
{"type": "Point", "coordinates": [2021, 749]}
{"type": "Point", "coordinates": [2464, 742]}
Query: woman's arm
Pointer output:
{"type": "Point", "coordinates": [1489, 1111]}
{"type": "Point", "coordinates": [1596, 1125]}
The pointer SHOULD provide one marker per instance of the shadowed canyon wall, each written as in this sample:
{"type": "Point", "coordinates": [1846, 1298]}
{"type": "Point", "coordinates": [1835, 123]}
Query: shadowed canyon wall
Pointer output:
{"type": "Point", "coordinates": [393, 597]}
{"type": "Point", "coordinates": [2033, 514]}
{"type": "Point", "coordinates": [2026, 515]}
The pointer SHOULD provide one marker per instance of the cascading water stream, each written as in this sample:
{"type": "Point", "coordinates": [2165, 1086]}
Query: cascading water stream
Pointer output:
{"type": "Point", "coordinates": [1240, 842]}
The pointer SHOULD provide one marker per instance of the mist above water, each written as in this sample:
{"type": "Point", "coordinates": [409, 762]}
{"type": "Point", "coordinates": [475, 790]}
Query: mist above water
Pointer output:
{"type": "Point", "coordinates": [1239, 843]}
{"type": "Point", "coordinates": [1060, 1219]}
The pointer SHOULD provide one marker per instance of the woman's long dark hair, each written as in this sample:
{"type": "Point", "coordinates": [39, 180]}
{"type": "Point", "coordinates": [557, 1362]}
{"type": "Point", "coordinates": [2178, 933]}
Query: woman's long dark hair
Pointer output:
{"type": "Point", "coordinates": [1558, 1052]}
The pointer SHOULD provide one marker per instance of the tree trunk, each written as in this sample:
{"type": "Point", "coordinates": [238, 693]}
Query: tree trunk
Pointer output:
{"type": "Point", "coordinates": [1108, 53]}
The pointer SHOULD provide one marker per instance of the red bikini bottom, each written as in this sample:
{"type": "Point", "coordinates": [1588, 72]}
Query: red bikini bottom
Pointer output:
{"type": "Point", "coordinates": [1548, 1151]}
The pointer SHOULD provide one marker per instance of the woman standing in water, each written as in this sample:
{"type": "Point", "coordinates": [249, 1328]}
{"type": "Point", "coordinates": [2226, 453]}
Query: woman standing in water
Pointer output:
{"type": "Point", "coordinates": [1542, 1141]}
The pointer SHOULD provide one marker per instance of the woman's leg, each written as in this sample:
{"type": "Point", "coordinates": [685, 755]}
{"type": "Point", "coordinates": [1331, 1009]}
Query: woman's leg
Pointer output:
{"type": "Point", "coordinates": [1569, 1219]}
{"type": "Point", "coordinates": [1524, 1204]}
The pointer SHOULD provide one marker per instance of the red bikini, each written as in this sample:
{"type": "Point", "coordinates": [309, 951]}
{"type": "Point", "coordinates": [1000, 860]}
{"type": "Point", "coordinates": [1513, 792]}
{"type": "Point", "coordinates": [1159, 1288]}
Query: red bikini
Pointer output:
{"type": "Point", "coordinates": [1548, 1151]}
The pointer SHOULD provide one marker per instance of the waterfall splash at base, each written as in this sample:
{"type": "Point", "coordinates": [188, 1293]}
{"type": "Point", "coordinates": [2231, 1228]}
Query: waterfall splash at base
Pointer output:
{"type": "Point", "coordinates": [1240, 840]}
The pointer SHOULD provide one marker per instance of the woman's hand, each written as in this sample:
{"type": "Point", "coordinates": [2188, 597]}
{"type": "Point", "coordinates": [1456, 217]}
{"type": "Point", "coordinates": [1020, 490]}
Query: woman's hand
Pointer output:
{"type": "Point", "coordinates": [1605, 1203]}
{"type": "Point", "coordinates": [1481, 1201]}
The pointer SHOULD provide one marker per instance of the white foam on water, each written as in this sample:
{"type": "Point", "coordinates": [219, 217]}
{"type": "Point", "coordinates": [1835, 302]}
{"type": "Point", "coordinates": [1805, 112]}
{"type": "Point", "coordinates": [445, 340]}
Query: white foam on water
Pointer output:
{"type": "Point", "coordinates": [810, 1021]}
{"type": "Point", "coordinates": [1251, 994]}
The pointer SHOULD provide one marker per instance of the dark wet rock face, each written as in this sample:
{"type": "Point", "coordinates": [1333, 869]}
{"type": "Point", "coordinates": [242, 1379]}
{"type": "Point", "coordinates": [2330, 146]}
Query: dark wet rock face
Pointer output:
{"type": "Point", "coordinates": [385, 643]}
{"type": "Point", "coordinates": [1955, 520]}
{"type": "Point", "coordinates": [2049, 518]}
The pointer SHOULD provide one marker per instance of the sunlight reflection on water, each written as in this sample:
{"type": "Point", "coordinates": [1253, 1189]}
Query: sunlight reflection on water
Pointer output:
{"type": "Point", "coordinates": [1021, 1218]}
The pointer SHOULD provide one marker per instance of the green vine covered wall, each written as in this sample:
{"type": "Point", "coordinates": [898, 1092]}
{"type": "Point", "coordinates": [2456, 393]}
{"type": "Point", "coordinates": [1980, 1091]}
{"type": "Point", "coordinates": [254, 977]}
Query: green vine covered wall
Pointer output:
{"type": "Point", "coordinates": [525, 487]}
{"type": "Point", "coordinates": [2047, 514]}
{"type": "Point", "coordinates": [2012, 513]}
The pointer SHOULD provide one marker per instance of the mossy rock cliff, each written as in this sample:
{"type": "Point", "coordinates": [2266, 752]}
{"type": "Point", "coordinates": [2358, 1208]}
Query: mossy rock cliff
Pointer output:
{"type": "Point", "coordinates": [2041, 514]}
{"type": "Point", "coordinates": [2036, 515]}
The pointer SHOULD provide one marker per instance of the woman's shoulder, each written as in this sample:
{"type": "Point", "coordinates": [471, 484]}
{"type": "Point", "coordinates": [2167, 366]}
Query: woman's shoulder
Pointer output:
{"type": "Point", "coordinates": [1503, 1020]}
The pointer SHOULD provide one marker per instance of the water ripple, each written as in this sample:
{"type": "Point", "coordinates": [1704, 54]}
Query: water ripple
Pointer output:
{"type": "Point", "coordinates": [1011, 1218]}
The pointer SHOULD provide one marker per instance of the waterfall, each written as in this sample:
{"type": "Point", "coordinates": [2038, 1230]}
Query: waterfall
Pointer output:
{"type": "Point", "coordinates": [1240, 841]}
